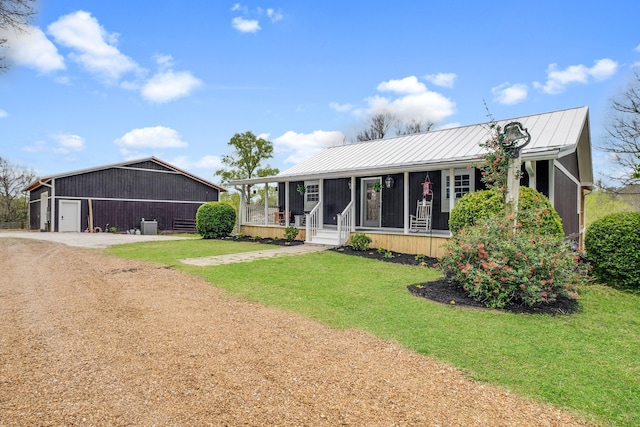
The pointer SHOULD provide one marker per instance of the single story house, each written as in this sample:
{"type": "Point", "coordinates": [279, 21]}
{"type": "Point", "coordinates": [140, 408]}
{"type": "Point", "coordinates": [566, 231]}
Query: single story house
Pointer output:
{"type": "Point", "coordinates": [119, 195]}
{"type": "Point", "coordinates": [376, 187]}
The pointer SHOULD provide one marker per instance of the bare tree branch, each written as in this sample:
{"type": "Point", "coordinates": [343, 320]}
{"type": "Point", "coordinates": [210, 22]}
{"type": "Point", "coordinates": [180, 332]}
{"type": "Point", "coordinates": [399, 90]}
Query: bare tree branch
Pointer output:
{"type": "Point", "coordinates": [14, 15]}
{"type": "Point", "coordinates": [624, 132]}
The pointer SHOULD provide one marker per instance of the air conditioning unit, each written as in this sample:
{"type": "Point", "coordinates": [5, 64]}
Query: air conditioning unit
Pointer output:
{"type": "Point", "coordinates": [148, 227]}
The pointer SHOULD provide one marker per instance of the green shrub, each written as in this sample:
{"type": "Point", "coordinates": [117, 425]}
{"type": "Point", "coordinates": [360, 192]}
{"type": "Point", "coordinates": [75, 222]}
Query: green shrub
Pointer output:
{"type": "Point", "coordinates": [215, 220]}
{"type": "Point", "coordinates": [496, 267]}
{"type": "Point", "coordinates": [360, 242]}
{"type": "Point", "coordinates": [612, 244]}
{"type": "Point", "coordinates": [290, 233]}
{"type": "Point", "coordinates": [534, 211]}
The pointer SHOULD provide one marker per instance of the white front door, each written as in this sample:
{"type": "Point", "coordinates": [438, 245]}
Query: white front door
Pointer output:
{"type": "Point", "coordinates": [69, 215]}
{"type": "Point", "coordinates": [371, 202]}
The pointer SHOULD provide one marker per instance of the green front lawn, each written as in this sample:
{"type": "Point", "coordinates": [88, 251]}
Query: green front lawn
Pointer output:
{"type": "Point", "coordinates": [588, 362]}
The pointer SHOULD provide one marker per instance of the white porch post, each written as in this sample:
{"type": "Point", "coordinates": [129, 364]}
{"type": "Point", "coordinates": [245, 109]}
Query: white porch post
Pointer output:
{"type": "Point", "coordinates": [266, 204]}
{"type": "Point", "coordinates": [321, 198]}
{"type": "Point", "coordinates": [452, 189]}
{"type": "Point", "coordinates": [406, 203]}
{"type": "Point", "coordinates": [243, 209]}
{"type": "Point", "coordinates": [530, 166]}
{"type": "Point", "coordinates": [552, 182]}
{"type": "Point", "coordinates": [353, 203]}
{"type": "Point", "coordinates": [286, 203]}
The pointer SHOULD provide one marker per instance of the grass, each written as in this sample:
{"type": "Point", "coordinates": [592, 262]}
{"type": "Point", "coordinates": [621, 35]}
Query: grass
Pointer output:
{"type": "Point", "coordinates": [588, 362]}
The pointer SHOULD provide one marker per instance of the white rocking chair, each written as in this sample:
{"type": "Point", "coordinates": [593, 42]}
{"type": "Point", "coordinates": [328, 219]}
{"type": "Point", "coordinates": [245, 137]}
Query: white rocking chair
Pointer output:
{"type": "Point", "coordinates": [421, 221]}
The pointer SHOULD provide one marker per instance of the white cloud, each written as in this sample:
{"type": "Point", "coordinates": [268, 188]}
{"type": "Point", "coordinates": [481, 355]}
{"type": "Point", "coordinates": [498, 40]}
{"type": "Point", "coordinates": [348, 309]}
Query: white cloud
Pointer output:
{"type": "Point", "coordinates": [510, 94]}
{"type": "Point", "coordinates": [67, 143]}
{"type": "Point", "coordinates": [168, 85]}
{"type": "Point", "coordinates": [442, 79]}
{"type": "Point", "coordinates": [209, 163]}
{"type": "Point", "coordinates": [638, 48]}
{"type": "Point", "coordinates": [300, 146]}
{"type": "Point", "coordinates": [33, 49]}
{"type": "Point", "coordinates": [238, 7]}
{"type": "Point", "coordinates": [274, 16]}
{"type": "Point", "coordinates": [149, 137]}
{"type": "Point", "coordinates": [409, 85]}
{"type": "Point", "coordinates": [3, 114]}
{"type": "Point", "coordinates": [557, 79]}
{"type": "Point", "coordinates": [341, 108]}
{"type": "Point", "coordinates": [412, 102]}
{"type": "Point", "coordinates": [245, 25]}
{"type": "Point", "coordinates": [94, 48]}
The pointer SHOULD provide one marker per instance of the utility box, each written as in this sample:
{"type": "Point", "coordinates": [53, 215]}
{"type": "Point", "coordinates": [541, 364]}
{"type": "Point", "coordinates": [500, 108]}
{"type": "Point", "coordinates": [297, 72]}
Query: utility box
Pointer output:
{"type": "Point", "coordinates": [148, 227]}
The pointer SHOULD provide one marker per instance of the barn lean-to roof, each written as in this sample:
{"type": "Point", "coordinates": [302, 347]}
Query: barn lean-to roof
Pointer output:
{"type": "Point", "coordinates": [128, 164]}
{"type": "Point", "coordinates": [553, 135]}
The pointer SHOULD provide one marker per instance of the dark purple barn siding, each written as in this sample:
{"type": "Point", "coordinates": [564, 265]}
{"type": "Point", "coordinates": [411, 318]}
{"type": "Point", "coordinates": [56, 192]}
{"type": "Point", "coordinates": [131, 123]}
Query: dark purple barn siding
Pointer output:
{"type": "Point", "coordinates": [566, 203]}
{"type": "Point", "coordinates": [124, 183]}
{"type": "Point", "coordinates": [121, 196]}
{"type": "Point", "coordinates": [126, 215]}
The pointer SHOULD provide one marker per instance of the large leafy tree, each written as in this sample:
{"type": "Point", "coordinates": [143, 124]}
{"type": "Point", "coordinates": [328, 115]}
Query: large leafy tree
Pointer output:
{"type": "Point", "coordinates": [624, 132]}
{"type": "Point", "coordinates": [249, 151]}
{"type": "Point", "coordinates": [14, 16]}
{"type": "Point", "coordinates": [13, 179]}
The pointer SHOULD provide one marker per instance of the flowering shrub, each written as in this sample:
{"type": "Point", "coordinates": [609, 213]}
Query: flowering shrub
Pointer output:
{"type": "Point", "coordinates": [497, 267]}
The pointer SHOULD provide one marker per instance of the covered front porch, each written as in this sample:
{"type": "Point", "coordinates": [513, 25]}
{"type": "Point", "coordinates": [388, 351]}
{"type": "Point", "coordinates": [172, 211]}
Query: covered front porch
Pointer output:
{"type": "Point", "coordinates": [385, 207]}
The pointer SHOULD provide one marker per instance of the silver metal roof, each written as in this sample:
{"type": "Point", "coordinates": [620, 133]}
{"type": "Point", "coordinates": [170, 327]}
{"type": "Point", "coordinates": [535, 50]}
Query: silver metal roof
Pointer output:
{"type": "Point", "coordinates": [553, 135]}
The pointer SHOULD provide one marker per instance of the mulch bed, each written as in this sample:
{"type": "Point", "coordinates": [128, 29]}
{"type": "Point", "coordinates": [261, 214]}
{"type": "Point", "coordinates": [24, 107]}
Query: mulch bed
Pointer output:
{"type": "Point", "coordinates": [446, 291]}
{"type": "Point", "coordinates": [265, 240]}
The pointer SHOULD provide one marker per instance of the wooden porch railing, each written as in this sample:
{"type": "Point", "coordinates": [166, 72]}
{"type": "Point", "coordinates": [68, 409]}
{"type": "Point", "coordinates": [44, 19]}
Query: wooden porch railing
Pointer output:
{"type": "Point", "coordinates": [313, 222]}
{"type": "Point", "coordinates": [345, 224]}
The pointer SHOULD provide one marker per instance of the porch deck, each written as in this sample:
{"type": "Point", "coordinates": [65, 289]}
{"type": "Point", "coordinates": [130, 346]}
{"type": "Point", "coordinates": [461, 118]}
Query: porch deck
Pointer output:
{"type": "Point", "coordinates": [393, 239]}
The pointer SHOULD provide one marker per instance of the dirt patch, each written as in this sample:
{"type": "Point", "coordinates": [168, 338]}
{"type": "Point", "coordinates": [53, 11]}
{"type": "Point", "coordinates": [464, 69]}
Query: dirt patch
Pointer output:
{"type": "Point", "coordinates": [88, 339]}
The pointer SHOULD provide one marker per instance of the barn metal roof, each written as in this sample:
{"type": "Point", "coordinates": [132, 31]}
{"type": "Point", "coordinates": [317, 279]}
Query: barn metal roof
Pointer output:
{"type": "Point", "coordinates": [45, 180]}
{"type": "Point", "coordinates": [553, 135]}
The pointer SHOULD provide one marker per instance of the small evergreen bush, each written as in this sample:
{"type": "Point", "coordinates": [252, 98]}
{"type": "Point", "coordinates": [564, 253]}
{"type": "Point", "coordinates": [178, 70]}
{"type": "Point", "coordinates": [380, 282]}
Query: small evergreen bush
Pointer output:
{"type": "Point", "coordinates": [534, 210]}
{"type": "Point", "coordinates": [215, 220]}
{"type": "Point", "coordinates": [290, 233]}
{"type": "Point", "coordinates": [612, 244]}
{"type": "Point", "coordinates": [360, 242]}
{"type": "Point", "coordinates": [497, 267]}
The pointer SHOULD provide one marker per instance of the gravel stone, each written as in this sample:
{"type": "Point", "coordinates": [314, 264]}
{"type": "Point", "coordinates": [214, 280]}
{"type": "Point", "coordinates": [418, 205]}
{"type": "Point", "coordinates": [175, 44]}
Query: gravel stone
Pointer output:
{"type": "Point", "coordinates": [87, 339]}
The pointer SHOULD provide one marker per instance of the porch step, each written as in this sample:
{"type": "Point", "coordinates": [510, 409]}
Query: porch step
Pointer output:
{"type": "Point", "coordinates": [326, 237]}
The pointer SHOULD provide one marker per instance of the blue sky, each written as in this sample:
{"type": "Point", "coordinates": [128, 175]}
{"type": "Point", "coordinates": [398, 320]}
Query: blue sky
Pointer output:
{"type": "Point", "coordinates": [95, 82]}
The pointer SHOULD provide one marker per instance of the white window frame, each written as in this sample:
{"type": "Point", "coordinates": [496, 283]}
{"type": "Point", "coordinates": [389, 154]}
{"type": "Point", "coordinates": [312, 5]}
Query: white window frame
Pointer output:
{"type": "Point", "coordinates": [458, 173]}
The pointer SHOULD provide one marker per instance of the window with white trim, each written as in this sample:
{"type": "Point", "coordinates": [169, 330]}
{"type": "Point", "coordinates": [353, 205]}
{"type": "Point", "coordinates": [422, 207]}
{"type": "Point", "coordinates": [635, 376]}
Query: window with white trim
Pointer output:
{"type": "Point", "coordinates": [463, 183]}
{"type": "Point", "coordinates": [313, 192]}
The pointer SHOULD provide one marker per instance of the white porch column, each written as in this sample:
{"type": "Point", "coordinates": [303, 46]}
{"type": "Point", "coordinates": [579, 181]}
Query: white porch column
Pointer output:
{"type": "Point", "coordinates": [266, 204]}
{"type": "Point", "coordinates": [286, 203]}
{"type": "Point", "coordinates": [552, 182]}
{"type": "Point", "coordinates": [353, 203]}
{"type": "Point", "coordinates": [321, 198]}
{"type": "Point", "coordinates": [242, 215]}
{"type": "Point", "coordinates": [405, 217]}
{"type": "Point", "coordinates": [452, 189]}
{"type": "Point", "coordinates": [530, 166]}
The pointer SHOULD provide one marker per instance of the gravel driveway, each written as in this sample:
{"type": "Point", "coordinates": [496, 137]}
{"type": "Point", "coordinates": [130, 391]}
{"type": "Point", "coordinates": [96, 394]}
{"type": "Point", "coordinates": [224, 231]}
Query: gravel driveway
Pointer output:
{"type": "Point", "coordinates": [86, 240]}
{"type": "Point", "coordinates": [92, 340]}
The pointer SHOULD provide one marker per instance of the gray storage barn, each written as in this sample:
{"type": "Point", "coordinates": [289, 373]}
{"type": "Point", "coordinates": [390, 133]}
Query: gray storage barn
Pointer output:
{"type": "Point", "coordinates": [119, 195]}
